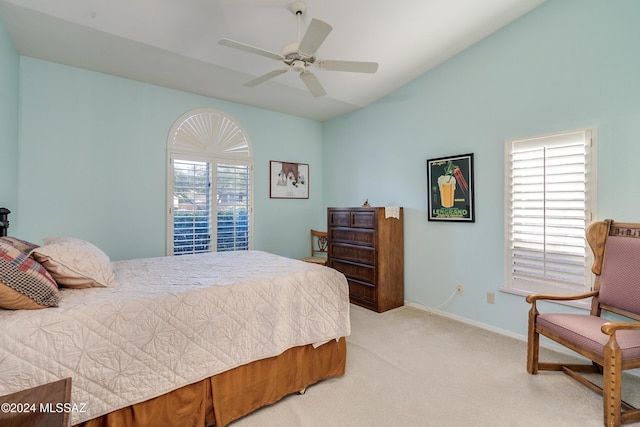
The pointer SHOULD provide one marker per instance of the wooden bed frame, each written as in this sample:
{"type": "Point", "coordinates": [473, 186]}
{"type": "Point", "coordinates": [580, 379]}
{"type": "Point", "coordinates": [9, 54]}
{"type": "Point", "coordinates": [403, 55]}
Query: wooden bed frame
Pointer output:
{"type": "Point", "coordinates": [225, 397]}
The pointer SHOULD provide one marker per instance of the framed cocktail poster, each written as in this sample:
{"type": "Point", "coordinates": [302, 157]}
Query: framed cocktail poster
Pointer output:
{"type": "Point", "coordinates": [450, 189]}
{"type": "Point", "coordinates": [289, 180]}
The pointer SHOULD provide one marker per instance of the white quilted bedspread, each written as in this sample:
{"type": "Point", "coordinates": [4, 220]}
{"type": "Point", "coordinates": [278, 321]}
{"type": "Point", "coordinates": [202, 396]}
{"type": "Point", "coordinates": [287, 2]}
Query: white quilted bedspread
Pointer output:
{"type": "Point", "coordinates": [169, 322]}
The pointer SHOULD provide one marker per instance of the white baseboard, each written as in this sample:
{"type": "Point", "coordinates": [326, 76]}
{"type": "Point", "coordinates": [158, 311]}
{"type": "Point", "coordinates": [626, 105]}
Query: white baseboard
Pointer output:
{"type": "Point", "coordinates": [547, 345]}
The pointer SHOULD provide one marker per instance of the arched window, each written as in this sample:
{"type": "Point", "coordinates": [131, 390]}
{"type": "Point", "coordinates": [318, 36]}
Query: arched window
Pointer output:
{"type": "Point", "coordinates": [210, 184]}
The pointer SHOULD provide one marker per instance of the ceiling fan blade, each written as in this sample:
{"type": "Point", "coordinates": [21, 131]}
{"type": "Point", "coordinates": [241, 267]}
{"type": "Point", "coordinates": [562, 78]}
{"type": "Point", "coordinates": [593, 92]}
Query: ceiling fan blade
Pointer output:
{"type": "Point", "coordinates": [350, 66]}
{"type": "Point", "coordinates": [251, 49]}
{"type": "Point", "coordinates": [313, 37]}
{"type": "Point", "coordinates": [312, 83]}
{"type": "Point", "coordinates": [264, 78]}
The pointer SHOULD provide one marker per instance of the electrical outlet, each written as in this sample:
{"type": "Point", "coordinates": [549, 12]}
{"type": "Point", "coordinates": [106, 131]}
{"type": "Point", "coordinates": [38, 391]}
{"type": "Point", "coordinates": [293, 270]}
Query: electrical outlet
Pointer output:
{"type": "Point", "coordinates": [491, 298]}
{"type": "Point", "coordinates": [459, 289]}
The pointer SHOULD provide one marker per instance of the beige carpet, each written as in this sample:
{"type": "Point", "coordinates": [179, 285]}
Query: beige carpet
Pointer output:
{"type": "Point", "coordinates": [409, 367]}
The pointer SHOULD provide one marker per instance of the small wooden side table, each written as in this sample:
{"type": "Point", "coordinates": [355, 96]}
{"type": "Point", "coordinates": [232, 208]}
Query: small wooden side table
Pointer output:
{"type": "Point", "coordinates": [41, 406]}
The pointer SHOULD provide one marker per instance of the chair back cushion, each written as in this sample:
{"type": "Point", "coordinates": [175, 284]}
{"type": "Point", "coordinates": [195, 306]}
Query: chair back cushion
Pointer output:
{"type": "Point", "coordinates": [620, 277]}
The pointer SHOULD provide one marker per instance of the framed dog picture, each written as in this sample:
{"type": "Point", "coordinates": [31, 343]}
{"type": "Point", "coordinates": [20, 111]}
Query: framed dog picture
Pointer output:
{"type": "Point", "coordinates": [450, 189]}
{"type": "Point", "coordinates": [289, 180]}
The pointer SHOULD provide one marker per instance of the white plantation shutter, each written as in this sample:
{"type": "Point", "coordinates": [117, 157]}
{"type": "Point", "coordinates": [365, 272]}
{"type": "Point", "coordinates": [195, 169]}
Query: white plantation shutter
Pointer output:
{"type": "Point", "coordinates": [233, 206]}
{"type": "Point", "coordinates": [191, 207]}
{"type": "Point", "coordinates": [210, 181]}
{"type": "Point", "coordinates": [549, 199]}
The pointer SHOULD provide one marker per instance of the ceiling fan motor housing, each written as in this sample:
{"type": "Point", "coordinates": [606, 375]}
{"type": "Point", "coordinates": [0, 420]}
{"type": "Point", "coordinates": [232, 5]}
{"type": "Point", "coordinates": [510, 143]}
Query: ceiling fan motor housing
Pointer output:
{"type": "Point", "coordinates": [292, 55]}
{"type": "Point", "coordinates": [290, 49]}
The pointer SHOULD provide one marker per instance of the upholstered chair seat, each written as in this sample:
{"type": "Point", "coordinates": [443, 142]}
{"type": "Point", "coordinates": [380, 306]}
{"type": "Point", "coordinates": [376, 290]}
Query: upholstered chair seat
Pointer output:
{"type": "Point", "coordinates": [585, 332]}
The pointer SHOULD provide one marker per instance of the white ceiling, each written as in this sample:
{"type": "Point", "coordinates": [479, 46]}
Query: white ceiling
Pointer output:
{"type": "Point", "coordinates": [173, 43]}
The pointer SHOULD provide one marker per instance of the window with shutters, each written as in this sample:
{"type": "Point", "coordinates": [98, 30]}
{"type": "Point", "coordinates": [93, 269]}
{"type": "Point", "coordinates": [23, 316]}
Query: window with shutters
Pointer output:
{"type": "Point", "coordinates": [550, 200]}
{"type": "Point", "coordinates": [210, 178]}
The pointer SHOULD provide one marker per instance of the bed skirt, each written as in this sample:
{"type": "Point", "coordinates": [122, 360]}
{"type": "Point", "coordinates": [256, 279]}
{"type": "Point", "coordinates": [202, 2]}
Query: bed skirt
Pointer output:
{"type": "Point", "coordinates": [225, 397]}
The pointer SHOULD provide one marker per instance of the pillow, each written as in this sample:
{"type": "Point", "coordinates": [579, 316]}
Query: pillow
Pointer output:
{"type": "Point", "coordinates": [74, 263]}
{"type": "Point", "coordinates": [24, 284]}
{"type": "Point", "coordinates": [21, 245]}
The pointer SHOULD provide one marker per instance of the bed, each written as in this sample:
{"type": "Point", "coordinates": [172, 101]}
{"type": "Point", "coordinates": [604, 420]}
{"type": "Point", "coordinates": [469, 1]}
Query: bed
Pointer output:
{"type": "Point", "coordinates": [194, 340]}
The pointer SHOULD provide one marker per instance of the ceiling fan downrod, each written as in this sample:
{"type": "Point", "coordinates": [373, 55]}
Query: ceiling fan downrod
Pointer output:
{"type": "Point", "coordinates": [298, 7]}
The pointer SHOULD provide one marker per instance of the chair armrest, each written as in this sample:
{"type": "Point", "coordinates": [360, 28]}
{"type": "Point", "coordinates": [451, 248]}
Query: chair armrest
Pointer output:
{"type": "Point", "coordinates": [610, 328]}
{"type": "Point", "coordinates": [534, 297]}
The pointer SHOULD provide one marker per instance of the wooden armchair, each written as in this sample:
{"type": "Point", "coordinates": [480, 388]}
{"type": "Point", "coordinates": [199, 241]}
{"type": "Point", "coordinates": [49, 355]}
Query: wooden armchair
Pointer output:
{"type": "Point", "coordinates": [612, 346]}
{"type": "Point", "coordinates": [319, 244]}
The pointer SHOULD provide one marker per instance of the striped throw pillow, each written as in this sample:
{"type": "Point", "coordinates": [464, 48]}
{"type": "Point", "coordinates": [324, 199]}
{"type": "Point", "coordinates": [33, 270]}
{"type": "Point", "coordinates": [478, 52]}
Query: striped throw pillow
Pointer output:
{"type": "Point", "coordinates": [24, 283]}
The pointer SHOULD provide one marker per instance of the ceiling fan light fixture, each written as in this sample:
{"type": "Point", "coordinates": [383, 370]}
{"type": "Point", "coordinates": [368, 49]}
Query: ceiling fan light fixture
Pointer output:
{"type": "Point", "coordinates": [298, 66]}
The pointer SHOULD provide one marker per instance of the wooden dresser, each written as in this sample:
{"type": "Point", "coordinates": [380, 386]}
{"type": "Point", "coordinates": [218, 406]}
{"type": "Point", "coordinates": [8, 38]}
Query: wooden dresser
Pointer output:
{"type": "Point", "coordinates": [368, 248]}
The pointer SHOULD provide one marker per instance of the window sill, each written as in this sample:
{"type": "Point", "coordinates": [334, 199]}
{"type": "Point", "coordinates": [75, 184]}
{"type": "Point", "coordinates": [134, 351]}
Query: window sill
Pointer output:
{"type": "Point", "coordinates": [584, 304]}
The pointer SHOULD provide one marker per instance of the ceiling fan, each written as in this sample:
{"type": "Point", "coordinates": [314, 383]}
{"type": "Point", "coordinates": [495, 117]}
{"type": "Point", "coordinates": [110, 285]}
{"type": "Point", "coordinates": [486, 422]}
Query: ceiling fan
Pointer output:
{"type": "Point", "coordinates": [300, 56]}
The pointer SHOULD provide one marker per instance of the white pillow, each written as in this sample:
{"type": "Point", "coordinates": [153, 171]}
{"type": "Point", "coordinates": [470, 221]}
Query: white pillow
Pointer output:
{"type": "Point", "coordinates": [74, 263]}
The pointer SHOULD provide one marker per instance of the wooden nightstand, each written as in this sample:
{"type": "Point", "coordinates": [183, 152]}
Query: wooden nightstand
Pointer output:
{"type": "Point", "coordinates": [40, 406]}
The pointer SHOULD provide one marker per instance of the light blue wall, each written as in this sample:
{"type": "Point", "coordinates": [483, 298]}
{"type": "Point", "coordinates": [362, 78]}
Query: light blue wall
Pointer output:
{"type": "Point", "coordinates": [566, 64]}
{"type": "Point", "coordinates": [93, 162]}
{"type": "Point", "coordinates": [9, 66]}
{"type": "Point", "coordinates": [92, 148]}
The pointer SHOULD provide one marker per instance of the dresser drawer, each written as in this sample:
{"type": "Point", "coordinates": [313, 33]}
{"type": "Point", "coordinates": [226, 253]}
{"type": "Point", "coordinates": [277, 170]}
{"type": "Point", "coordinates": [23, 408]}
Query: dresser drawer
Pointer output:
{"type": "Point", "coordinates": [363, 219]}
{"type": "Point", "coordinates": [352, 236]}
{"type": "Point", "coordinates": [362, 291]}
{"type": "Point", "coordinates": [339, 218]}
{"type": "Point", "coordinates": [360, 254]}
{"type": "Point", "coordinates": [353, 270]}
